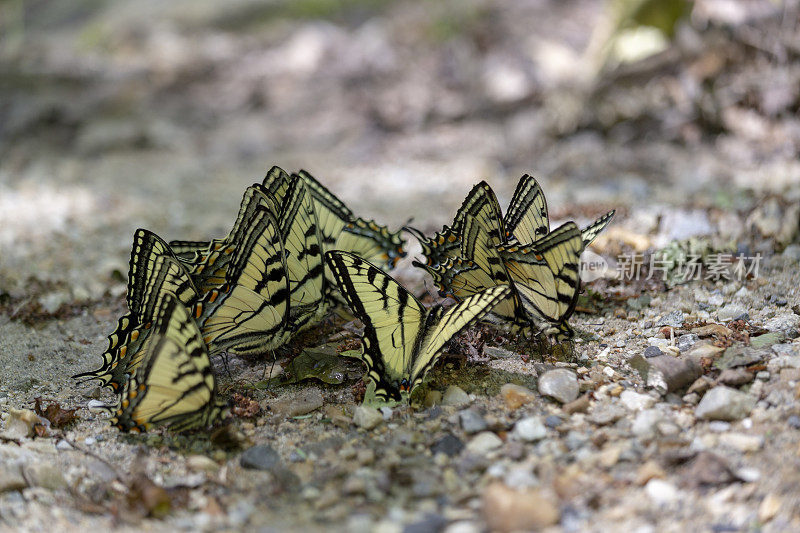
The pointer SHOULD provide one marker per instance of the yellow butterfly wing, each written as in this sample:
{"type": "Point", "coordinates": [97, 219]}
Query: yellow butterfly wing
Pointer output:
{"type": "Point", "coordinates": [590, 232]}
{"type": "Point", "coordinates": [546, 274]}
{"type": "Point", "coordinates": [527, 219]}
{"type": "Point", "coordinates": [175, 384]}
{"type": "Point", "coordinates": [304, 266]}
{"type": "Point", "coordinates": [392, 317]}
{"type": "Point", "coordinates": [250, 313]}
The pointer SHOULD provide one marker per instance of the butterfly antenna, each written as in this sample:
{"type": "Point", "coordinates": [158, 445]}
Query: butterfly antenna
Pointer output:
{"type": "Point", "coordinates": [414, 231]}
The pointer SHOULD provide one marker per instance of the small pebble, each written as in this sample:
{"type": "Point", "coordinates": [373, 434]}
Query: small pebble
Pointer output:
{"type": "Point", "coordinates": [652, 351]}
{"type": "Point", "coordinates": [577, 406]}
{"type": "Point", "coordinates": [455, 395]}
{"type": "Point", "coordinates": [560, 384]}
{"type": "Point", "coordinates": [471, 421]}
{"type": "Point", "coordinates": [661, 492]}
{"type": "Point", "coordinates": [724, 403]}
{"type": "Point", "coordinates": [367, 417]}
{"type": "Point", "coordinates": [507, 509]}
{"type": "Point", "coordinates": [530, 429]}
{"type": "Point", "coordinates": [636, 401]}
{"type": "Point", "coordinates": [450, 445]}
{"type": "Point", "coordinates": [769, 507]}
{"type": "Point", "coordinates": [484, 442]}
{"type": "Point", "coordinates": [553, 421]}
{"type": "Point", "coordinates": [515, 396]}
{"type": "Point", "coordinates": [644, 425]}
{"type": "Point", "coordinates": [260, 457]}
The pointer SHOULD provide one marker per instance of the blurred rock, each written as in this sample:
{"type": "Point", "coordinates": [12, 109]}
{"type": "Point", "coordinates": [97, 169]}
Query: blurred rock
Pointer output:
{"type": "Point", "coordinates": [367, 417]}
{"type": "Point", "coordinates": [19, 424]}
{"type": "Point", "coordinates": [483, 443]}
{"type": "Point", "coordinates": [455, 395]}
{"type": "Point", "coordinates": [666, 373]}
{"type": "Point", "coordinates": [515, 396]}
{"type": "Point", "coordinates": [261, 457]}
{"type": "Point", "coordinates": [471, 422]}
{"type": "Point", "coordinates": [724, 403]}
{"type": "Point", "coordinates": [530, 429]}
{"type": "Point", "coordinates": [560, 384]}
{"type": "Point", "coordinates": [507, 510]}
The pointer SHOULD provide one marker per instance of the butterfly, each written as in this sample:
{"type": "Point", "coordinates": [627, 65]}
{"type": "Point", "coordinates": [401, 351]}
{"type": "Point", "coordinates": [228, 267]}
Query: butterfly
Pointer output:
{"type": "Point", "coordinates": [527, 217]}
{"type": "Point", "coordinates": [402, 339]}
{"type": "Point", "coordinates": [302, 242]}
{"type": "Point", "coordinates": [174, 385]}
{"type": "Point", "coordinates": [154, 272]}
{"type": "Point", "coordinates": [340, 229]}
{"type": "Point", "coordinates": [249, 313]}
{"type": "Point", "coordinates": [477, 266]}
{"type": "Point", "coordinates": [546, 275]}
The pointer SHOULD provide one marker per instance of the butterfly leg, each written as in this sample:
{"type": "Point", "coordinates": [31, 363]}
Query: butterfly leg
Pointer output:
{"type": "Point", "coordinates": [224, 356]}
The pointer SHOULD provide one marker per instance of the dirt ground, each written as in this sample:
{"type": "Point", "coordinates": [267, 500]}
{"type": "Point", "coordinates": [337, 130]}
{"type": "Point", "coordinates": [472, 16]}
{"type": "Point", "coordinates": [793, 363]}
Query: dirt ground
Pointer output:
{"type": "Point", "coordinates": [119, 115]}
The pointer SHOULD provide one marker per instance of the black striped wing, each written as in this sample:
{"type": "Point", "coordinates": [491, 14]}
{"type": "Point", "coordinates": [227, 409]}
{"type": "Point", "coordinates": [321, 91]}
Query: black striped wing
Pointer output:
{"type": "Point", "coordinates": [547, 274]}
{"type": "Point", "coordinates": [450, 323]}
{"type": "Point", "coordinates": [590, 232]}
{"type": "Point", "coordinates": [210, 267]}
{"type": "Point", "coordinates": [187, 251]}
{"type": "Point", "coordinates": [527, 219]}
{"type": "Point", "coordinates": [478, 268]}
{"type": "Point", "coordinates": [482, 207]}
{"type": "Point", "coordinates": [438, 247]}
{"type": "Point", "coordinates": [146, 250]}
{"type": "Point", "coordinates": [126, 344]}
{"type": "Point", "coordinates": [250, 313]}
{"type": "Point", "coordinates": [372, 241]}
{"type": "Point", "coordinates": [393, 320]}
{"type": "Point", "coordinates": [175, 384]}
{"type": "Point", "coordinates": [209, 260]}
{"type": "Point", "coordinates": [302, 245]}
{"type": "Point", "coordinates": [342, 230]}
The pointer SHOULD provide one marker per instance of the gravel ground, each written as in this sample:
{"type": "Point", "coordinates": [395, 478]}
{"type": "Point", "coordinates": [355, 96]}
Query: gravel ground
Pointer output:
{"type": "Point", "coordinates": [676, 406]}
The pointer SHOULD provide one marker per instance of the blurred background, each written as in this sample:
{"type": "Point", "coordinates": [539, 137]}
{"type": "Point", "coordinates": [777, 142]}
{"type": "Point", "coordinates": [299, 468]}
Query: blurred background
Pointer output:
{"type": "Point", "coordinates": [120, 114]}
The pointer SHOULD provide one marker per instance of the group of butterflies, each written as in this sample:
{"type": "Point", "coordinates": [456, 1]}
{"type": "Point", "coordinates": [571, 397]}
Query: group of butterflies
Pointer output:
{"type": "Point", "coordinates": [295, 253]}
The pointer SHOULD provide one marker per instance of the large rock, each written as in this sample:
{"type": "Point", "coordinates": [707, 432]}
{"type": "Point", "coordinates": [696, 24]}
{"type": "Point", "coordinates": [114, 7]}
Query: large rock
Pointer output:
{"type": "Point", "coordinates": [724, 403]}
{"type": "Point", "coordinates": [666, 373]}
{"type": "Point", "coordinates": [737, 356]}
{"type": "Point", "coordinates": [786, 323]}
{"type": "Point", "coordinates": [560, 384]}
